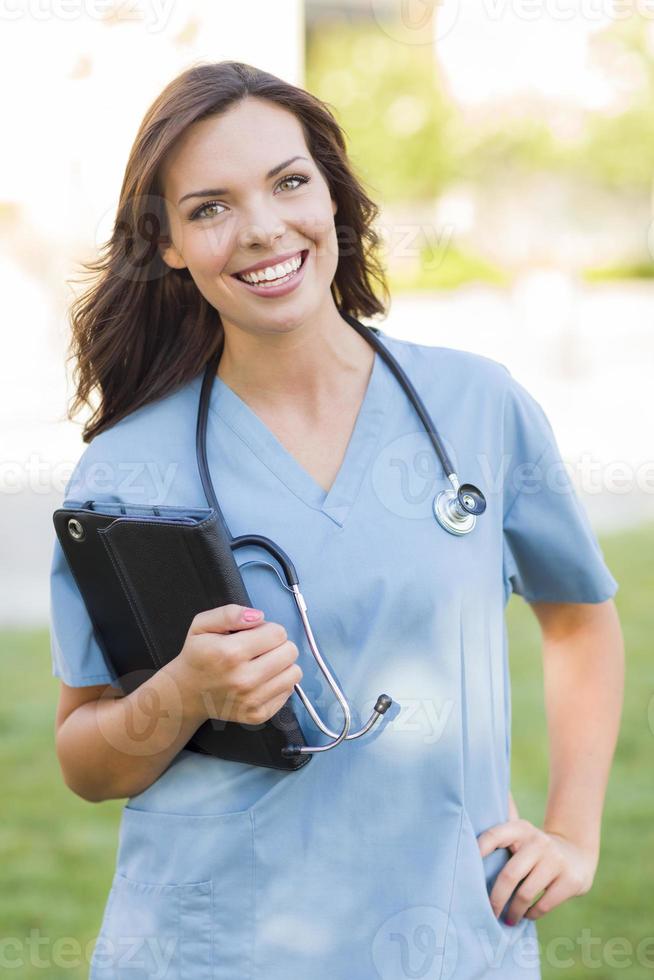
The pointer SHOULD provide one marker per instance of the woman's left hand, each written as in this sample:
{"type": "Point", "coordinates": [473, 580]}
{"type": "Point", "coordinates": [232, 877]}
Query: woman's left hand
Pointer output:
{"type": "Point", "coordinates": [540, 860]}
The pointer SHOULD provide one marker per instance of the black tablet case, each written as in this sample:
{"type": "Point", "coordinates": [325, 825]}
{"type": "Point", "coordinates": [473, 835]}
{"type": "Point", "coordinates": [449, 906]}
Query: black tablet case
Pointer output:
{"type": "Point", "coordinates": [144, 573]}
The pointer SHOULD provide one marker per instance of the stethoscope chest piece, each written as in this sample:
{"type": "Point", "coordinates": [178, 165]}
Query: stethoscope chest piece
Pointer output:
{"type": "Point", "coordinates": [457, 510]}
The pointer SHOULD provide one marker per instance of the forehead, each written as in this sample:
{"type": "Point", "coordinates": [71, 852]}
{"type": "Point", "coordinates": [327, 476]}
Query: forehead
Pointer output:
{"type": "Point", "coordinates": [240, 144]}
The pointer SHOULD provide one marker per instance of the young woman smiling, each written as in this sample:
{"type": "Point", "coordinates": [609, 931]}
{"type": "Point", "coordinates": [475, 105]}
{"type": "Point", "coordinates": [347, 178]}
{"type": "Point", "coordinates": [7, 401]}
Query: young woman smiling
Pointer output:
{"type": "Point", "coordinates": [242, 223]}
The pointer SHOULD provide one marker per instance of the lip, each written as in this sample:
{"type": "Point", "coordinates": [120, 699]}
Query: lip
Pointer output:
{"type": "Point", "coordinates": [287, 287]}
{"type": "Point", "coordinates": [266, 262]}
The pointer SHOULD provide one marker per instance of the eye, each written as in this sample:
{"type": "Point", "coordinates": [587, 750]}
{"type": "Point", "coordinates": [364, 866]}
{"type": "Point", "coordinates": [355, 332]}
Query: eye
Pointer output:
{"type": "Point", "coordinates": [203, 207]}
{"type": "Point", "coordinates": [303, 180]}
{"type": "Point", "coordinates": [198, 213]}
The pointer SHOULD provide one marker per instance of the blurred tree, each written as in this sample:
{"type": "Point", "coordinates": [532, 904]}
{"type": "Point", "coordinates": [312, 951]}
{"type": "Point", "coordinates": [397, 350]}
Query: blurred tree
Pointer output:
{"type": "Point", "coordinates": [619, 147]}
{"type": "Point", "coordinates": [409, 141]}
{"type": "Point", "coordinates": [388, 98]}
{"type": "Point", "coordinates": [614, 147]}
{"type": "Point", "coordinates": [494, 144]}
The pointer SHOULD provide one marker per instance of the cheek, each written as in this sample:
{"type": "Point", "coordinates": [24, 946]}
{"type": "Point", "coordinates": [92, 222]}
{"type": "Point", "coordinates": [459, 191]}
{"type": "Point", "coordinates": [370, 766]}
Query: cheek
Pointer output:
{"type": "Point", "coordinates": [318, 229]}
{"type": "Point", "coordinates": [208, 247]}
{"type": "Point", "coordinates": [202, 244]}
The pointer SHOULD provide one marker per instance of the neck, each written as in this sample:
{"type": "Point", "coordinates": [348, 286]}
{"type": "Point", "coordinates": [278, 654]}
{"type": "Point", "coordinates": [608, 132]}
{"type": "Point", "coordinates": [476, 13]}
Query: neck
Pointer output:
{"type": "Point", "coordinates": [312, 364]}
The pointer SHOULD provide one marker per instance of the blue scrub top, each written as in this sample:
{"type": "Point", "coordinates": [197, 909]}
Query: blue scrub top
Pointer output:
{"type": "Point", "coordinates": [364, 863]}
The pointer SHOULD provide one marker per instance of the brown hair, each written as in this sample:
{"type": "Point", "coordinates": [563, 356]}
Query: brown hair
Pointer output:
{"type": "Point", "coordinates": [142, 328]}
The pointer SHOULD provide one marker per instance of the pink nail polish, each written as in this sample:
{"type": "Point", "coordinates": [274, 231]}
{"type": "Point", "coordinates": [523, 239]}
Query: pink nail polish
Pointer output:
{"type": "Point", "coordinates": [509, 922]}
{"type": "Point", "coordinates": [250, 615]}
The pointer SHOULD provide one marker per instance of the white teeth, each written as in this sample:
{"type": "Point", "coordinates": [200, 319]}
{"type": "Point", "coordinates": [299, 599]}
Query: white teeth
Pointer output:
{"type": "Point", "coordinates": [273, 272]}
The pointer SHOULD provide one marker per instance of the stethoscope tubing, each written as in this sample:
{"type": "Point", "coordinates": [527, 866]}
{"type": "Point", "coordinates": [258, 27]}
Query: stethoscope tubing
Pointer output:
{"type": "Point", "coordinates": [450, 508]}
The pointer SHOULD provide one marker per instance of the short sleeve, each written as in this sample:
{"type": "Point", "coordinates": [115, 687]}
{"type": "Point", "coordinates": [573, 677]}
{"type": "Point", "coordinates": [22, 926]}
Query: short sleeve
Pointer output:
{"type": "Point", "coordinates": [550, 551]}
{"type": "Point", "coordinates": [76, 657]}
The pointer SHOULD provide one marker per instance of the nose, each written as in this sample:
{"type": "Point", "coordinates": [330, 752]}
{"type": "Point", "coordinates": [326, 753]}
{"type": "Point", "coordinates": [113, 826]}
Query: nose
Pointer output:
{"type": "Point", "coordinates": [262, 227]}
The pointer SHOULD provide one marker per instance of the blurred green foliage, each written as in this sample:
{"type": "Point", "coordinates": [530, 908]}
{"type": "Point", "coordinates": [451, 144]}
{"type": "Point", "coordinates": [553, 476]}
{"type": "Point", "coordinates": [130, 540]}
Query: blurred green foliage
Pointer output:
{"type": "Point", "coordinates": [59, 852]}
{"type": "Point", "coordinates": [408, 140]}
{"type": "Point", "coordinates": [394, 114]}
{"type": "Point", "coordinates": [635, 270]}
{"type": "Point", "coordinates": [618, 149]}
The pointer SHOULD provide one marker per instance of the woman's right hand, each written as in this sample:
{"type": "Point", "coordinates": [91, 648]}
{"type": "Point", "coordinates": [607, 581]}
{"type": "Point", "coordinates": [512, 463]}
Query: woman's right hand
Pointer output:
{"type": "Point", "coordinates": [237, 670]}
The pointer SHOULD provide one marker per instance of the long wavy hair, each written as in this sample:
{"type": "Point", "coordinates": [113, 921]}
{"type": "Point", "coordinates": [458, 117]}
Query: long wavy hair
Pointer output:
{"type": "Point", "coordinates": [141, 328]}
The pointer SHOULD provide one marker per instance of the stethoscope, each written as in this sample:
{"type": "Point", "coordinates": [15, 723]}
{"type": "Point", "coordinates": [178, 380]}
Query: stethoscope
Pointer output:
{"type": "Point", "coordinates": [456, 510]}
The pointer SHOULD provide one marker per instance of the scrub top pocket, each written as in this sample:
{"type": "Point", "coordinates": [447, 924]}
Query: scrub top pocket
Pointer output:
{"type": "Point", "coordinates": [181, 903]}
{"type": "Point", "coordinates": [156, 931]}
{"type": "Point", "coordinates": [486, 942]}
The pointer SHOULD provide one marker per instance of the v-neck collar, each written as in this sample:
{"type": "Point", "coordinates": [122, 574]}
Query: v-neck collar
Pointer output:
{"type": "Point", "coordinates": [337, 503]}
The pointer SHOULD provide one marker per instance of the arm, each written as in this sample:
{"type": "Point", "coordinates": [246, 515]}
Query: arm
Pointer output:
{"type": "Point", "coordinates": [583, 666]}
{"type": "Point", "coordinates": [112, 746]}
{"type": "Point", "coordinates": [583, 656]}
{"type": "Point", "coordinates": [234, 666]}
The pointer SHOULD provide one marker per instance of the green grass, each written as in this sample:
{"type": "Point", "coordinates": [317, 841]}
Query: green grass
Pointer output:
{"type": "Point", "coordinates": [58, 852]}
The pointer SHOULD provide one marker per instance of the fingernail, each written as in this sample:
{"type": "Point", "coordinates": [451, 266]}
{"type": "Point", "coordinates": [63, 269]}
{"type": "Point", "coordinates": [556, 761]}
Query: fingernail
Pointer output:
{"type": "Point", "coordinates": [249, 615]}
{"type": "Point", "coordinates": [509, 922]}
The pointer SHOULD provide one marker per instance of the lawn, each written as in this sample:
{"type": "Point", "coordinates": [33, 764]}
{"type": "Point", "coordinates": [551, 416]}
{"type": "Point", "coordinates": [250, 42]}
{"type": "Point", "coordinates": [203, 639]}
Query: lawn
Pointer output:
{"type": "Point", "coordinates": [58, 852]}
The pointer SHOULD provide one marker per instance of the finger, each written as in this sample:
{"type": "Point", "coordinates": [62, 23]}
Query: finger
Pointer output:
{"type": "Point", "coordinates": [529, 890]}
{"type": "Point", "coordinates": [504, 835]}
{"type": "Point", "coordinates": [511, 876]}
{"type": "Point", "coordinates": [271, 707]}
{"type": "Point", "coordinates": [560, 890]}
{"type": "Point", "coordinates": [270, 664]}
{"type": "Point", "coordinates": [279, 685]}
{"type": "Point", "coordinates": [274, 697]}
{"type": "Point", "coordinates": [250, 644]}
{"type": "Point", "coordinates": [225, 619]}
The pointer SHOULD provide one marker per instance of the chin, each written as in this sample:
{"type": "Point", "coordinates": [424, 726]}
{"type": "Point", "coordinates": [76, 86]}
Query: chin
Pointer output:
{"type": "Point", "coordinates": [284, 321]}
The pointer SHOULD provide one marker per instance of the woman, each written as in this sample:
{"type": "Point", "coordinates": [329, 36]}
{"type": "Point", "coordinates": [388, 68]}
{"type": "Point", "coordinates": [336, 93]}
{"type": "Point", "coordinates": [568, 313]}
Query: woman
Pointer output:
{"type": "Point", "coordinates": [382, 857]}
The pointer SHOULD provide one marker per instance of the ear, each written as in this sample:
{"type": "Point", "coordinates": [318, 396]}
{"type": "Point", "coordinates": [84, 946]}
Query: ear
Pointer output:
{"type": "Point", "coordinates": [169, 253]}
{"type": "Point", "coordinates": [334, 207]}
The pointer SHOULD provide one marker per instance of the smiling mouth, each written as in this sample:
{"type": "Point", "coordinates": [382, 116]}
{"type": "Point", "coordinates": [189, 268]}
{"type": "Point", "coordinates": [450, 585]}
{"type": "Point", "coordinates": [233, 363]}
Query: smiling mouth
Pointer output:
{"type": "Point", "coordinates": [264, 284]}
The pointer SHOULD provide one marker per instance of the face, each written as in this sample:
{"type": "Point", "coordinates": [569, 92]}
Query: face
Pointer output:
{"type": "Point", "coordinates": [257, 216]}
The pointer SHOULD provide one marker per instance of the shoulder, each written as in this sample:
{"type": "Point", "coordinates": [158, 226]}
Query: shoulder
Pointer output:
{"type": "Point", "coordinates": [153, 425]}
{"type": "Point", "coordinates": [478, 384]}
{"type": "Point", "coordinates": [428, 361]}
{"type": "Point", "coordinates": [148, 439]}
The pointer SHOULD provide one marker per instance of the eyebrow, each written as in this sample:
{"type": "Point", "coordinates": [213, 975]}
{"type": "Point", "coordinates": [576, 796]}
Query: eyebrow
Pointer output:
{"type": "Point", "coordinates": [222, 191]}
